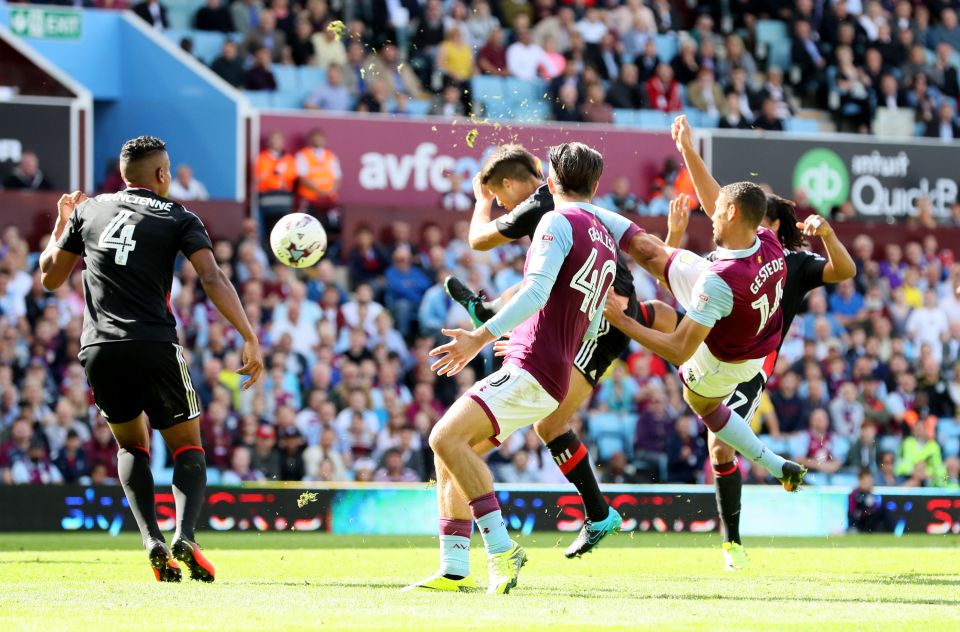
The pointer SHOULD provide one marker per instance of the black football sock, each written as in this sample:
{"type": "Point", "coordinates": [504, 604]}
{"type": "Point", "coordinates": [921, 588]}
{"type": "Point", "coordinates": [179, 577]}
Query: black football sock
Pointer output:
{"type": "Point", "coordinates": [189, 488]}
{"type": "Point", "coordinates": [133, 467]}
{"type": "Point", "coordinates": [574, 462]}
{"type": "Point", "coordinates": [729, 484]}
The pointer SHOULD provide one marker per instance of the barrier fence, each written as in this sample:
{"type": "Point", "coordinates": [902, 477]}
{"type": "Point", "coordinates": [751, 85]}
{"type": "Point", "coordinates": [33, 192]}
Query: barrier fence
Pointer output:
{"type": "Point", "coordinates": [411, 509]}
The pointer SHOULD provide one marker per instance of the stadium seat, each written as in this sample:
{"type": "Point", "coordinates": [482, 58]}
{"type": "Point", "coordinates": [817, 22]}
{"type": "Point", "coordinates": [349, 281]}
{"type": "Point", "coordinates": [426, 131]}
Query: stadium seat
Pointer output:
{"type": "Point", "coordinates": [667, 47]}
{"type": "Point", "coordinates": [890, 443]}
{"type": "Point", "coordinates": [179, 17]}
{"type": "Point", "coordinates": [841, 447]}
{"type": "Point", "coordinates": [801, 126]}
{"type": "Point", "coordinates": [286, 77]}
{"type": "Point", "coordinates": [418, 107]}
{"type": "Point", "coordinates": [625, 118]}
{"type": "Point", "coordinates": [771, 31]}
{"type": "Point", "coordinates": [709, 120]}
{"type": "Point", "coordinates": [309, 77]}
{"type": "Point", "coordinates": [694, 116]}
{"type": "Point", "coordinates": [207, 45]}
{"type": "Point", "coordinates": [654, 120]}
{"type": "Point", "coordinates": [259, 99]}
{"type": "Point", "coordinates": [484, 87]}
{"type": "Point", "coordinates": [606, 431]}
{"type": "Point", "coordinates": [497, 109]}
{"type": "Point", "coordinates": [291, 100]}
{"type": "Point", "coordinates": [948, 436]}
{"type": "Point", "coordinates": [532, 111]}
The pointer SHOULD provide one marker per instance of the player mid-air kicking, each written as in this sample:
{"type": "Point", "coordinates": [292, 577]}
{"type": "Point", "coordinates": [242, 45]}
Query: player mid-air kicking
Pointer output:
{"type": "Point", "coordinates": [569, 268]}
{"type": "Point", "coordinates": [512, 177]}
{"type": "Point", "coordinates": [805, 272]}
{"type": "Point", "coordinates": [129, 347]}
{"type": "Point", "coordinates": [733, 317]}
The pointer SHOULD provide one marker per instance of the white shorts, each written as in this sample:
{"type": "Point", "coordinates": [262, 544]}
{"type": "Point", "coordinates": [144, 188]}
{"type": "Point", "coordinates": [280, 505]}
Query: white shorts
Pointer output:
{"type": "Point", "coordinates": [707, 376]}
{"type": "Point", "coordinates": [512, 399]}
{"type": "Point", "coordinates": [683, 270]}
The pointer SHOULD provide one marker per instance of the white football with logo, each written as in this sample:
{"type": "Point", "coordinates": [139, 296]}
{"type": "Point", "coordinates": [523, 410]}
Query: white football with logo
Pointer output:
{"type": "Point", "coordinates": [298, 240]}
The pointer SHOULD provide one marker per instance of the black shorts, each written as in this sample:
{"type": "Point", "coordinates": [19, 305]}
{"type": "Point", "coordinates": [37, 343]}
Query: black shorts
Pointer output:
{"type": "Point", "coordinates": [595, 356]}
{"type": "Point", "coordinates": [746, 398]}
{"type": "Point", "coordinates": [129, 378]}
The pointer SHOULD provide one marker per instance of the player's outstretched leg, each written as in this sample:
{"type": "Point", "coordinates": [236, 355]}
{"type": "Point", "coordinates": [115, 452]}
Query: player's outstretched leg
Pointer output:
{"type": "Point", "coordinates": [733, 430]}
{"type": "Point", "coordinates": [477, 307]}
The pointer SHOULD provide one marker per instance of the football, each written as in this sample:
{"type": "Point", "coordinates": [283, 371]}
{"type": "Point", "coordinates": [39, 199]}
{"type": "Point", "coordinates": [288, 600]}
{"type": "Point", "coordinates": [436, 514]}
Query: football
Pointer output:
{"type": "Point", "coordinates": [298, 240]}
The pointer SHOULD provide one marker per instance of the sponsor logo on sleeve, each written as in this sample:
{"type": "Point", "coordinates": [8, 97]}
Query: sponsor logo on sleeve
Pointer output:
{"type": "Point", "coordinates": [546, 240]}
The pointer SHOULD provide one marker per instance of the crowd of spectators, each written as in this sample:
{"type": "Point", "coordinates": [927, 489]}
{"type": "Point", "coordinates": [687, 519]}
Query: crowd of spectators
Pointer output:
{"type": "Point", "coordinates": [848, 57]}
{"type": "Point", "coordinates": [868, 378]}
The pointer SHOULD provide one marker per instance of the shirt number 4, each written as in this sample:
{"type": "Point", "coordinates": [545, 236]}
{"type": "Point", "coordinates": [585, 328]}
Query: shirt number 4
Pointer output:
{"type": "Point", "coordinates": [763, 304]}
{"type": "Point", "coordinates": [118, 237]}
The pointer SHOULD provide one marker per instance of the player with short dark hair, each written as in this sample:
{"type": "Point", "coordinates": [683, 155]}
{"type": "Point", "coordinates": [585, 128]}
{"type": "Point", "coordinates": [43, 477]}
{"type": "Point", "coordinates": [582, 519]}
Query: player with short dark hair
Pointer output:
{"type": "Point", "coordinates": [805, 272]}
{"type": "Point", "coordinates": [129, 347]}
{"type": "Point", "coordinates": [513, 177]}
{"type": "Point", "coordinates": [569, 268]}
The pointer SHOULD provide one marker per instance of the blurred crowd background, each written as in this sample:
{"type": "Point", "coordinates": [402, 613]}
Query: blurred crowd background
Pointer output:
{"type": "Point", "coordinates": [766, 64]}
{"type": "Point", "coordinates": [867, 379]}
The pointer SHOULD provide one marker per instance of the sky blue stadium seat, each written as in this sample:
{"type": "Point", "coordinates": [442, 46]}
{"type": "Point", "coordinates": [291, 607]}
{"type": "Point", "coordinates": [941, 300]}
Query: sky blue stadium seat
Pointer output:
{"type": "Point", "coordinates": [308, 77]}
{"type": "Point", "coordinates": [207, 45]}
{"type": "Point", "coordinates": [948, 436]}
{"type": "Point", "coordinates": [694, 116]}
{"type": "Point", "coordinates": [180, 17]}
{"type": "Point", "coordinates": [844, 479]}
{"type": "Point", "coordinates": [531, 111]}
{"type": "Point", "coordinates": [667, 47]}
{"type": "Point", "coordinates": [770, 31]}
{"type": "Point", "coordinates": [260, 98]}
{"type": "Point", "coordinates": [779, 55]}
{"type": "Point", "coordinates": [418, 107]}
{"type": "Point", "coordinates": [800, 126]}
{"type": "Point", "coordinates": [606, 431]}
{"type": "Point", "coordinates": [709, 120]}
{"type": "Point", "coordinates": [176, 34]}
{"type": "Point", "coordinates": [654, 119]}
{"type": "Point", "coordinates": [289, 99]}
{"type": "Point", "coordinates": [522, 93]}
{"type": "Point", "coordinates": [889, 443]}
{"type": "Point", "coordinates": [484, 87]}
{"type": "Point", "coordinates": [497, 109]}
{"type": "Point", "coordinates": [626, 118]}
{"type": "Point", "coordinates": [841, 447]}
{"type": "Point", "coordinates": [286, 77]}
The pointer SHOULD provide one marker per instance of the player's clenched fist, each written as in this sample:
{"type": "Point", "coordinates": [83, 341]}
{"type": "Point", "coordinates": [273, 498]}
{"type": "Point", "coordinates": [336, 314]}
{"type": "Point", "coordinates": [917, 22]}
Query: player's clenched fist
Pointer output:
{"type": "Point", "coordinates": [815, 226]}
{"type": "Point", "coordinates": [681, 133]}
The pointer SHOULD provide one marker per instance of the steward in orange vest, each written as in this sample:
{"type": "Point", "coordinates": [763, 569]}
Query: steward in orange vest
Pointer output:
{"type": "Point", "coordinates": [318, 171]}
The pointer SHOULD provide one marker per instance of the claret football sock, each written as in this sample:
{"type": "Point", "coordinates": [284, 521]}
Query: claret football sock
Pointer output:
{"type": "Point", "coordinates": [486, 511]}
{"type": "Point", "coordinates": [133, 468]}
{"type": "Point", "coordinates": [574, 461]}
{"type": "Point", "coordinates": [736, 433]}
{"type": "Point", "coordinates": [729, 484]}
{"type": "Point", "coordinates": [189, 488]}
{"type": "Point", "coordinates": [455, 547]}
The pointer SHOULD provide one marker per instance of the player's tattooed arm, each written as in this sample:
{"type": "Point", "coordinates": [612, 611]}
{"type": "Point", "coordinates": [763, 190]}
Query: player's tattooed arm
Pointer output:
{"type": "Point", "coordinates": [703, 182]}
{"type": "Point", "coordinates": [840, 265]}
{"type": "Point", "coordinates": [484, 234]}
{"type": "Point", "coordinates": [220, 290]}
{"type": "Point", "coordinates": [57, 263]}
{"type": "Point", "coordinates": [676, 347]}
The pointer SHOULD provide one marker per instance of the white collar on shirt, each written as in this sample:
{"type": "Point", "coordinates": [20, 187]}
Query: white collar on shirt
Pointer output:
{"type": "Point", "coordinates": [726, 253]}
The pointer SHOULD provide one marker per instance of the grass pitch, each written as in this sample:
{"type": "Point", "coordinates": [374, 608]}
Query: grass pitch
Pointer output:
{"type": "Point", "coordinates": [661, 582]}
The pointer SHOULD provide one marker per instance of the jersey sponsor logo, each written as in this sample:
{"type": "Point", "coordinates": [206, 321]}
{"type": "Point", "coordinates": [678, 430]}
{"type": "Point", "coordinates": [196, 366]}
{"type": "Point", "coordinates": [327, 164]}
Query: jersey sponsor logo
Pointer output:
{"type": "Point", "coordinates": [546, 240]}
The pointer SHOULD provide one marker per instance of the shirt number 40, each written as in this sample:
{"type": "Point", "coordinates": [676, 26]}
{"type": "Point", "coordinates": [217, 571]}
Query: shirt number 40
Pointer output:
{"type": "Point", "coordinates": [763, 304]}
{"type": "Point", "coordinates": [118, 237]}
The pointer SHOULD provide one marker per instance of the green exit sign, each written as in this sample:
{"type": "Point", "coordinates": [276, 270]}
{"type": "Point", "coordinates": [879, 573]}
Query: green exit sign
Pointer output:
{"type": "Point", "coordinates": [45, 23]}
